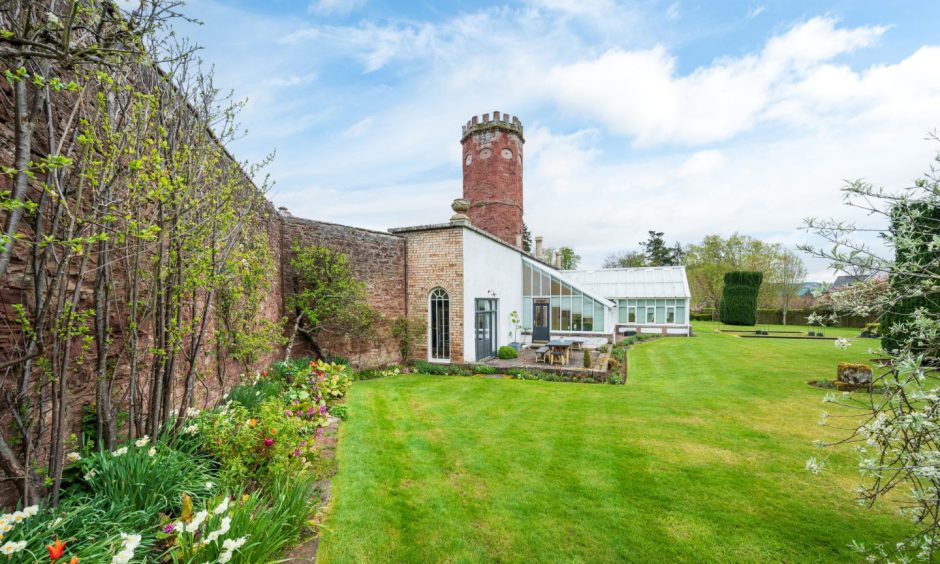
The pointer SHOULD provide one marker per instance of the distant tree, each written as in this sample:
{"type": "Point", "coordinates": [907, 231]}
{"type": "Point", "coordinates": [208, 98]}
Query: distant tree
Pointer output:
{"type": "Point", "coordinates": [526, 238]}
{"type": "Point", "coordinates": [789, 273]}
{"type": "Point", "coordinates": [329, 299]}
{"type": "Point", "coordinates": [625, 259]}
{"type": "Point", "coordinates": [656, 251]}
{"type": "Point", "coordinates": [708, 262]}
{"type": "Point", "coordinates": [569, 258]}
{"type": "Point", "coordinates": [678, 254]}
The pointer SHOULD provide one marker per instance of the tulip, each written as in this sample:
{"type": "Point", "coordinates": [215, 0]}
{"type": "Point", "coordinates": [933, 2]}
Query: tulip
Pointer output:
{"type": "Point", "coordinates": [56, 549]}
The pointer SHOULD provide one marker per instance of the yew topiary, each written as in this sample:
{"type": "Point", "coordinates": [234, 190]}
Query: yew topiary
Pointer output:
{"type": "Point", "coordinates": [739, 298]}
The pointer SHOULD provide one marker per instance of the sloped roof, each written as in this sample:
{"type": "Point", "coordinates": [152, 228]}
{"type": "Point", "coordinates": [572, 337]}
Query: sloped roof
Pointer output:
{"type": "Point", "coordinates": [563, 276]}
{"type": "Point", "coordinates": [645, 282]}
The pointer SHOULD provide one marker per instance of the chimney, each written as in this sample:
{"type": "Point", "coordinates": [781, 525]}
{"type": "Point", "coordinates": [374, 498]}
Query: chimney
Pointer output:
{"type": "Point", "coordinates": [518, 240]}
{"type": "Point", "coordinates": [538, 247]}
{"type": "Point", "coordinates": [557, 261]}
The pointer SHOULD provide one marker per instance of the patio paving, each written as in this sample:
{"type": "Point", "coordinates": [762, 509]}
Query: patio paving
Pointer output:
{"type": "Point", "coordinates": [527, 360]}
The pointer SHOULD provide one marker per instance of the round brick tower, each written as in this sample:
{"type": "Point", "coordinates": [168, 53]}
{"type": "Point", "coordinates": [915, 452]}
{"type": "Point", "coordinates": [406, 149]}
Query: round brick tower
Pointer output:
{"type": "Point", "coordinates": [492, 174]}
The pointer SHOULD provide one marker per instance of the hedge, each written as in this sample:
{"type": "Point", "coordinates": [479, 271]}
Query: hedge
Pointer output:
{"type": "Point", "coordinates": [927, 219]}
{"type": "Point", "coordinates": [739, 298]}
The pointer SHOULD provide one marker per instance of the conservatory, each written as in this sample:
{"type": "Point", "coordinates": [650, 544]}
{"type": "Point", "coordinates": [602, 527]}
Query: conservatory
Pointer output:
{"type": "Point", "coordinates": [551, 303]}
{"type": "Point", "coordinates": [648, 300]}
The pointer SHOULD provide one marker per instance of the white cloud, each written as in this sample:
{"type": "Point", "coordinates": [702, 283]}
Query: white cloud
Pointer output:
{"type": "Point", "coordinates": [619, 139]}
{"type": "Point", "coordinates": [755, 11]}
{"type": "Point", "coordinates": [638, 92]}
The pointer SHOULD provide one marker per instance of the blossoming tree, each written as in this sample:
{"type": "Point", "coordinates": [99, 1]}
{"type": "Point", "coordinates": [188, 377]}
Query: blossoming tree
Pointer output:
{"type": "Point", "coordinates": [897, 425]}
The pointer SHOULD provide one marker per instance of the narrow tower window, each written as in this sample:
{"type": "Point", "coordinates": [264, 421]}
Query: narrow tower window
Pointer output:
{"type": "Point", "coordinates": [439, 326]}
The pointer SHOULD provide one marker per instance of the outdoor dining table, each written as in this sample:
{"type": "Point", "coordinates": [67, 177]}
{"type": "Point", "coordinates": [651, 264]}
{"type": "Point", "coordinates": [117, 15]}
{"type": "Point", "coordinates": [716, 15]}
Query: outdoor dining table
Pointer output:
{"type": "Point", "coordinates": [562, 346]}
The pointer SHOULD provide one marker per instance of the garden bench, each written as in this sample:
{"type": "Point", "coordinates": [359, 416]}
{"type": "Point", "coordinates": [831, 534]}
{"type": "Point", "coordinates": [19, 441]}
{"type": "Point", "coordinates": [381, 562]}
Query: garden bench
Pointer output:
{"type": "Point", "coordinates": [540, 354]}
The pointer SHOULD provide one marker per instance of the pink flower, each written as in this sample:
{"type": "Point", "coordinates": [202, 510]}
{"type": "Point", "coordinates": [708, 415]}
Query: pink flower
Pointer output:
{"type": "Point", "coordinates": [322, 409]}
{"type": "Point", "coordinates": [288, 412]}
{"type": "Point", "coordinates": [268, 441]}
{"type": "Point", "coordinates": [319, 431]}
{"type": "Point", "coordinates": [296, 452]}
{"type": "Point", "coordinates": [169, 528]}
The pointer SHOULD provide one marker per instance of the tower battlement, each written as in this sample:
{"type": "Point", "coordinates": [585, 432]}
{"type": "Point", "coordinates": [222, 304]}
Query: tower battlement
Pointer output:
{"type": "Point", "coordinates": [492, 174]}
{"type": "Point", "coordinates": [501, 120]}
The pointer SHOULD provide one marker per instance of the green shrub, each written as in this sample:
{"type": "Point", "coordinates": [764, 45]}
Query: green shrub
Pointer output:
{"type": "Point", "coordinates": [701, 317]}
{"type": "Point", "coordinates": [340, 410]}
{"type": "Point", "coordinates": [897, 323]}
{"type": "Point", "coordinates": [739, 298]}
{"type": "Point", "coordinates": [484, 369]}
{"type": "Point", "coordinates": [604, 348]}
{"type": "Point", "coordinates": [339, 360]}
{"type": "Point", "coordinates": [587, 359]}
{"type": "Point", "coordinates": [507, 353]}
{"type": "Point", "coordinates": [433, 369]}
{"type": "Point", "coordinates": [253, 395]}
{"type": "Point", "coordinates": [372, 373]}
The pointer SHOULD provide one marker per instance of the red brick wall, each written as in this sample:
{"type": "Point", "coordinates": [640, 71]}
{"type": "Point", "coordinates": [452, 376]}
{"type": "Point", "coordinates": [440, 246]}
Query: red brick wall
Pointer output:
{"type": "Point", "coordinates": [378, 260]}
{"type": "Point", "coordinates": [492, 176]}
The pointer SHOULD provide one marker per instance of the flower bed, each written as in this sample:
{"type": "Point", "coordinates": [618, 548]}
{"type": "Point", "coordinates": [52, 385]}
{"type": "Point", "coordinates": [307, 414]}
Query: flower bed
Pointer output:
{"type": "Point", "coordinates": [232, 484]}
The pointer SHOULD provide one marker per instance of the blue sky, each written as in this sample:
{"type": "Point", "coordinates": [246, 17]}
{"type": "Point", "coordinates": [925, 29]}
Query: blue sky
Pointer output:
{"type": "Point", "coordinates": [685, 117]}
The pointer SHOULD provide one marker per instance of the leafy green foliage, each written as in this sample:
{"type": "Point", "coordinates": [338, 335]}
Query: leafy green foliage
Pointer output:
{"type": "Point", "coordinates": [268, 521]}
{"type": "Point", "coordinates": [407, 331]}
{"type": "Point", "coordinates": [150, 477]}
{"type": "Point", "coordinates": [739, 298]}
{"type": "Point", "coordinates": [587, 359]}
{"type": "Point", "coordinates": [657, 253]}
{"type": "Point", "coordinates": [897, 322]}
{"type": "Point", "coordinates": [435, 369]}
{"type": "Point", "coordinates": [507, 353]}
{"type": "Point", "coordinates": [328, 297]}
{"type": "Point", "coordinates": [251, 396]}
{"type": "Point", "coordinates": [484, 369]}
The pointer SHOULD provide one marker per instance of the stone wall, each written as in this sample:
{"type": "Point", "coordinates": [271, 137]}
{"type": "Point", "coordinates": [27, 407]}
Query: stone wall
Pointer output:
{"type": "Point", "coordinates": [435, 260]}
{"type": "Point", "coordinates": [378, 260]}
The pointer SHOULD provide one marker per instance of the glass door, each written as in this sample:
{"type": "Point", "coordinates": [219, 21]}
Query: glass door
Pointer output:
{"type": "Point", "coordinates": [485, 324]}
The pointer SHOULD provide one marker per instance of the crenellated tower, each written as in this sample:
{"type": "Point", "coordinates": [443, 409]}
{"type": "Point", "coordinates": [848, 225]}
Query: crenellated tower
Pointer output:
{"type": "Point", "coordinates": [492, 174]}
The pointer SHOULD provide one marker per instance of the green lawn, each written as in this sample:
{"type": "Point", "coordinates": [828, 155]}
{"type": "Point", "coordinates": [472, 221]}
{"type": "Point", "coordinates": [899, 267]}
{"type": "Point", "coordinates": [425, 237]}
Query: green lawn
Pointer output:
{"type": "Point", "coordinates": [699, 457]}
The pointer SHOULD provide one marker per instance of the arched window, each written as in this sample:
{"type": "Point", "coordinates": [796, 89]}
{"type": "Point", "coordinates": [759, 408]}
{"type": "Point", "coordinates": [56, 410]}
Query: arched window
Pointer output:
{"type": "Point", "coordinates": [439, 324]}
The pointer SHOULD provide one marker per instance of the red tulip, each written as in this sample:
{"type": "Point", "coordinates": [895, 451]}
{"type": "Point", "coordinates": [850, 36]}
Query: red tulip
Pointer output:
{"type": "Point", "coordinates": [56, 549]}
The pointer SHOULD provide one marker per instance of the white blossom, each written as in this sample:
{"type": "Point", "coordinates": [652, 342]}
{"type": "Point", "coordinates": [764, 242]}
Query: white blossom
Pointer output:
{"type": "Point", "coordinates": [814, 466]}
{"type": "Point", "coordinates": [119, 452]}
{"type": "Point", "coordinates": [142, 442]}
{"type": "Point", "coordinates": [73, 457]}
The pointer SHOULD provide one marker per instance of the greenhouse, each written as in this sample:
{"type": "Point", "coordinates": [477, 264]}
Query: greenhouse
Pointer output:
{"type": "Point", "coordinates": [551, 300]}
{"type": "Point", "coordinates": [648, 300]}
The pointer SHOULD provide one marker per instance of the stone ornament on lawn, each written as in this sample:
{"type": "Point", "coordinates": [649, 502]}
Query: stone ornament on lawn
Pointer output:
{"type": "Point", "coordinates": [855, 374]}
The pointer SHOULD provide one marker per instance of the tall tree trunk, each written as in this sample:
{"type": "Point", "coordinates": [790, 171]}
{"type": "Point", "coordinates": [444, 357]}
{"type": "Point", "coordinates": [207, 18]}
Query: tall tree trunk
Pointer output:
{"type": "Point", "coordinates": [106, 425]}
{"type": "Point", "coordinates": [24, 124]}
